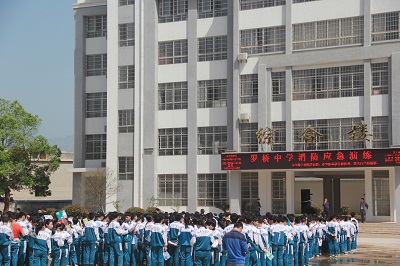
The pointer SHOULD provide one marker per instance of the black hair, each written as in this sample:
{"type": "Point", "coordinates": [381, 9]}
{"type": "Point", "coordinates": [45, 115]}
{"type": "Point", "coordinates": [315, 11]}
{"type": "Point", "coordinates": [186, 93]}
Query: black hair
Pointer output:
{"type": "Point", "coordinates": [238, 225]}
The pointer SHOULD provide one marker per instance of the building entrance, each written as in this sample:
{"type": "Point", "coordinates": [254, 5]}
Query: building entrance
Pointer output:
{"type": "Point", "coordinates": [342, 189]}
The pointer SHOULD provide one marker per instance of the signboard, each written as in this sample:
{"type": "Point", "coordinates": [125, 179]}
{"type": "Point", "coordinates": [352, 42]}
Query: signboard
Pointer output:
{"type": "Point", "coordinates": [311, 159]}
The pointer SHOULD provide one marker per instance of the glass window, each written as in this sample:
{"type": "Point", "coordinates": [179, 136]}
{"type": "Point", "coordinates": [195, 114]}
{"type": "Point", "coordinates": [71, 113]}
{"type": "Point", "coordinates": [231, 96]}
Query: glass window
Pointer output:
{"type": "Point", "coordinates": [280, 136]}
{"type": "Point", "coordinates": [96, 65]}
{"type": "Point", "coordinates": [173, 190]}
{"type": "Point", "coordinates": [380, 78]}
{"type": "Point", "coordinates": [263, 40]}
{"type": "Point", "coordinates": [278, 86]}
{"type": "Point", "coordinates": [96, 104]}
{"type": "Point", "coordinates": [278, 192]}
{"type": "Point", "coordinates": [380, 193]}
{"type": "Point", "coordinates": [172, 141]}
{"type": "Point", "coordinates": [172, 96]}
{"type": "Point", "coordinates": [253, 4]}
{"type": "Point", "coordinates": [212, 190]}
{"type": "Point", "coordinates": [125, 168]}
{"type": "Point", "coordinates": [385, 26]}
{"type": "Point", "coordinates": [126, 2]}
{"type": "Point", "coordinates": [380, 132]}
{"type": "Point", "coordinates": [126, 121]}
{"type": "Point", "coordinates": [248, 138]}
{"type": "Point", "coordinates": [172, 10]}
{"type": "Point", "coordinates": [96, 147]}
{"type": "Point", "coordinates": [173, 52]}
{"type": "Point", "coordinates": [212, 8]}
{"type": "Point", "coordinates": [126, 77]}
{"type": "Point", "coordinates": [213, 48]}
{"type": "Point", "coordinates": [96, 26]}
{"type": "Point", "coordinates": [249, 193]}
{"type": "Point", "coordinates": [211, 140]}
{"type": "Point", "coordinates": [211, 93]}
{"type": "Point", "coordinates": [249, 88]}
{"type": "Point", "coordinates": [126, 34]}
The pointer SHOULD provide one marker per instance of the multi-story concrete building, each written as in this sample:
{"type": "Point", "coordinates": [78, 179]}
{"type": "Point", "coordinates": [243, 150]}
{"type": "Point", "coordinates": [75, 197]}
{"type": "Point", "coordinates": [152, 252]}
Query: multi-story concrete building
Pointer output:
{"type": "Point", "coordinates": [162, 87]}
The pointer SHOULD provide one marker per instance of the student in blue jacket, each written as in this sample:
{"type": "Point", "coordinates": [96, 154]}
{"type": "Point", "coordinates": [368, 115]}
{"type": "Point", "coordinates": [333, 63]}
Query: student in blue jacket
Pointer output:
{"type": "Point", "coordinates": [158, 241]}
{"type": "Point", "coordinates": [41, 245]}
{"type": "Point", "coordinates": [235, 244]}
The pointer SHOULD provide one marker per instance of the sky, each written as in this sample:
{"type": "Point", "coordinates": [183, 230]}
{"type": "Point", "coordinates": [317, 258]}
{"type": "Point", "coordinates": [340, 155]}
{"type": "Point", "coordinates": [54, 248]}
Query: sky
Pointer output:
{"type": "Point", "coordinates": [36, 61]}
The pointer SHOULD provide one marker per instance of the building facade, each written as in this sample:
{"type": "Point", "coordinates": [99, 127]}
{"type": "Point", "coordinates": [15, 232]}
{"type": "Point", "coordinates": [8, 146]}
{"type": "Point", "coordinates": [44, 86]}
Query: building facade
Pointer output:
{"type": "Point", "coordinates": [163, 87]}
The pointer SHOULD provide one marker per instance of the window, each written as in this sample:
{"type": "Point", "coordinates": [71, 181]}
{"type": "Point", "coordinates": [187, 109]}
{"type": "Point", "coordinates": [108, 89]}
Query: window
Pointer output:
{"type": "Point", "coordinates": [332, 82]}
{"type": "Point", "coordinates": [96, 104]}
{"type": "Point", "coordinates": [173, 52]}
{"type": "Point", "coordinates": [249, 193]}
{"type": "Point", "coordinates": [173, 190]}
{"type": "Point", "coordinates": [278, 86]}
{"type": "Point", "coordinates": [380, 193]}
{"type": "Point", "coordinates": [126, 34]}
{"type": "Point", "coordinates": [380, 78]}
{"type": "Point", "coordinates": [172, 96]}
{"type": "Point", "coordinates": [213, 48]}
{"type": "Point", "coordinates": [125, 168]}
{"type": "Point", "coordinates": [328, 33]}
{"type": "Point", "coordinates": [172, 10]}
{"type": "Point", "coordinates": [334, 134]}
{"type": "Point", "coordinates": [211, 140]}
{"type": "Point", "coordinates": [280, 136]}
{"type": "Point", "coordinates": [212, 190]}
{"type": "Point", "coordinates": [172, 141]}
{"type": "Point", "coordinates": [96, 65]}
{"type": "Point", "coordinates": [126, 77]}
{"type": "Point", "coordinates": [211, 93]}
{"type": "Point", "coordinates": [212, 8]}
{"type": "Point", "coordinates": [96, 26]}
{"type": "Point", "coordinates": [385, 26]}
{"type": "Point", "coordinates": [380, 132]}
{"type": "Point", "coordinates": [126, 2]}
{"type": "Point", "coordinates": [95, 146]}
{"type": "Point", "coordinates": [253, 4]}
{"type": "Point", "coordinates": [249, 88]}
{"type": "Point", "coordinates": [126, 121]}
{"type": "Point", "coordinates": [278, 192]}
{"type": "Point", "coordinates": [248, 138]}
{"type": "Point", "coordinates": [262, 40]}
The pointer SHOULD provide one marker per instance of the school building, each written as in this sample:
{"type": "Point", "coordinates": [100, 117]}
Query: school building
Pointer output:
{"type": "Point", "coordinates": [164, 87]}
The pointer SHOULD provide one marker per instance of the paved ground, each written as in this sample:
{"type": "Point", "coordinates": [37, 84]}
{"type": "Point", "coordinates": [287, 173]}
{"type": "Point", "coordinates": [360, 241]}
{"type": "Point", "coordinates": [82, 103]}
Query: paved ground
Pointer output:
{"type": "Point", "coordinates": [378, 244]}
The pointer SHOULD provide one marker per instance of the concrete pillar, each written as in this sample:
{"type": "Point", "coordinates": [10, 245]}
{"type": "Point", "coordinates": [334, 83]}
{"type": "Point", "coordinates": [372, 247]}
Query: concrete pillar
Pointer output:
{"type": "Point", "coordinates": [262, 98]}
{"type": "Point", "coordinates": [290, 191]}
{"type": "Point", "coordinates": [336, 196]}
{"type": "Point", "coordinates": [367, 99]}
{"type": "Point", "coordinates": [367, 23]}
{"type": "Point", "coordinates": [368, 193]}
{"type": "Point", "coordinates": [288, 104]}
{"type": "Point", "coordinates": [394, 95]}
{"type": "Point", "coordinates": [397, 195]}
{"type": "Point", "coordinates": [288, 26]}
{"type": "Point", "coordinates": [268, 181]}
{"type": "Point", "coordinates": [234, 191]}
{"type": "Point", "coordinates": [263, 190]}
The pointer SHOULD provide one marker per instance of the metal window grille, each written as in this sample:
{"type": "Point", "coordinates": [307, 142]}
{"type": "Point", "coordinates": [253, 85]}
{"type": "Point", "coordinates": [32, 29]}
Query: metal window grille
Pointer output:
{"type": "Point", "coordinates": [126, 2]}
{"type": "Point", "coordinates": [172, 141]}
{"type": "Point", "coordinates": [278, 192]}
{"type": "Point", "coordinates": [212, 189]}
{"type": "Point", "coordinates": [172, 96]}
{"type": "Point", "coordinates": [380, 132]}
{"type": "Point", "coordinates": [249, 88]}
{"type": "Point", "coordinates": [280, 136]}
{"type": "Point", "coordinates": [211, 140]}
{"type": "Point", "coordinates": [213, 48]}
{"type": "Point", "coordinates": [385, 26]}
{"type": "Point", "coordinates": [253, 4]}
{"type": "Point", "coordinates": [278, 86]}
{"type": "Point", "coordinates": [173, 190]}
{"type": "Point", "coordinates": [332, 82]}
{"type": "Point", "coordinates": [172, 10]}
{"type": "Point", "coordinates": [380, 78]}
{"type": "Point", "coordinates": [380, 193]}
{"type": "Point", "coordinates": [96, 26]}
{"type": "Point", "coordinates": [211, 93]}
{"type": "Point", "coordinates": [212, 8]}
{"type": "Point", "coordinates": [96, 65]}
{"type": "Point", "coordinates": [302, 1]}
{"type": "Point", "coordinates": [328, 33]}
{"type": "Point", "coordinates": [125, 168]}
{"type": "Point", "coordinates": [126, 77]}
{"type": "Point", "coordinates": [248, 138]}
{"type": "Point", "coordinates": [263, 40]}
{"type": "Point", "coordinates": [96, 104]}
{"type": "Point", "coordinates": [126, 121]}
{"type": "Point", "coordinates": [126, 34]}
{"type": "Point", "coordinates": [96, 147]}
{"type": "Point", "coordinates": [249, 190]}
{"type": "Point", "coordinates": [173, 52]}
{"type": "Point", "coordinates": [334, 134]}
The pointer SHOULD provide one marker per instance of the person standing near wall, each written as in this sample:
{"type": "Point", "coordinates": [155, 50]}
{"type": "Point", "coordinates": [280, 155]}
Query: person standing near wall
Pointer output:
{"type": "Point", "coordinates": [363, 209]}
{"type": "Point", "coordinates": [326, 207]}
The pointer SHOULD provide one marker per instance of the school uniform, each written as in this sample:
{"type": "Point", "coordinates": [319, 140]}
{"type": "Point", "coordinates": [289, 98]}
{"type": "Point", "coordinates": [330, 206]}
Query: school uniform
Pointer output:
{"type": "Point", "coordinates": [115, 233]}
{"type": "Point", "coordinates": [23, 243]}
{"type": "Point", "coordinates": [174, 230]}
{"type": "Point", "coordinates": [146, 241]}
{"type": "Point", "coordinates": [75, 248]}
{"type": "Point", "coordinates": [158, 240]}
{"type": "Point", "coordinates": [202, 246]}
{"type": "Point", "coordinates": [6, 236]}
{"type": "Point", "coordinates": [41, 248]}
{"type": "Point", "coordinates": [66, 238]}
{"type": "Point", "coordinates": [91, 238]}
{"type": "Point", "coordinates": [141, 251]}
{"type": "Point", "coordinates": [56, 244]}
{"type": "Point", "coordinates": [185, 249]}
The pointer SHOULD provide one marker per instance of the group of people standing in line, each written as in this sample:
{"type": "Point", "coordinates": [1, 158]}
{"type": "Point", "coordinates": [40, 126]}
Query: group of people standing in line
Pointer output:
{"type": "Point", "coordinates": [173, 239]}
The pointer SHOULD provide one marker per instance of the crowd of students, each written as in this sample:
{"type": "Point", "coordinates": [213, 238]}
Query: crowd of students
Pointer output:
{"type": "Point", "coordinates": [170, 239]}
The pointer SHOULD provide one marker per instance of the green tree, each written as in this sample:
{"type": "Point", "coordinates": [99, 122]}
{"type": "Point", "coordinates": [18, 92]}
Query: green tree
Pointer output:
{"type": "Point", "coordinates": [26, 159]}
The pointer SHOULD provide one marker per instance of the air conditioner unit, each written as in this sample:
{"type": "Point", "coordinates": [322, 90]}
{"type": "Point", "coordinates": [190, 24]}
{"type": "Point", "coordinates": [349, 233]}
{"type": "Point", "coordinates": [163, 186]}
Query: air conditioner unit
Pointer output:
{"type": "Point", "coordinates": [244, 118]}
{"type": "Point", "coordinates": [242, 57]}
